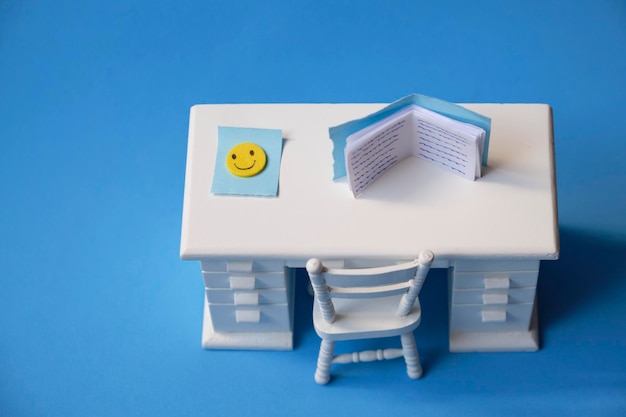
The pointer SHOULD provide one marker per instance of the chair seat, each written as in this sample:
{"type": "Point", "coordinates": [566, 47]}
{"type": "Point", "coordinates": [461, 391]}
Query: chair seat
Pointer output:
{"type": "Point", "coordinates": [372, 318]}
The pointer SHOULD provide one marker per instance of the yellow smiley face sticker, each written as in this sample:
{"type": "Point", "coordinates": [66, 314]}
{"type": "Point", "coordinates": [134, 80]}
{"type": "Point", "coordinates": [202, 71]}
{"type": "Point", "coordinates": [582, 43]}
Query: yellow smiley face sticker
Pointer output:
{"type": "Point", "coordinates": [246, 159]}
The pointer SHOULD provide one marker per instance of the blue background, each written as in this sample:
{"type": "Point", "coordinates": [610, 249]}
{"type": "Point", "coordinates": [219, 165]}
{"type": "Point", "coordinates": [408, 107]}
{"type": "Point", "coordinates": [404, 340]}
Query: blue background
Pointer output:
{"type": "Point", "coordinates": [99, 317]}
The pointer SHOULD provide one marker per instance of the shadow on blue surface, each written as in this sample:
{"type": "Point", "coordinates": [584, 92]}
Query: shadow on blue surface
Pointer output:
{"type": "Point", "coordinates": [589, 272]}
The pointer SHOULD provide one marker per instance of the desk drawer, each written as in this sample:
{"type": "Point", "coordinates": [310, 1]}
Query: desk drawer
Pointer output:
{"type": "Point", "coordinates": [479, 318]}
{"type": "Point", "coordinates": [495, 280]}
{"type": "Point", "coordinates": [488, 297]}
{"type": "Point", "coordinates": [227, 296]}
{"type": "Point", "coordinates": [496, 265]}
{"type": "Point", "coordinates": [242, 266]}
{"type": "Point", "coordinates": [248, 281]}
{"type": "Point", "coordinates": [230, 318]}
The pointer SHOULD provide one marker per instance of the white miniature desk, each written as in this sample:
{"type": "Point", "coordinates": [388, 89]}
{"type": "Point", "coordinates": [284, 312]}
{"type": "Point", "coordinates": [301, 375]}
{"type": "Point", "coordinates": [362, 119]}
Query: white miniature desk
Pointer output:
{"type": "Point", "coordinates": [491, 234]}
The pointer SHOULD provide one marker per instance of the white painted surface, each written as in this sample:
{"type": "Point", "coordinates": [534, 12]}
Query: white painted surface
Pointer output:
{"type": "Point", "coordinates": [509, 213]}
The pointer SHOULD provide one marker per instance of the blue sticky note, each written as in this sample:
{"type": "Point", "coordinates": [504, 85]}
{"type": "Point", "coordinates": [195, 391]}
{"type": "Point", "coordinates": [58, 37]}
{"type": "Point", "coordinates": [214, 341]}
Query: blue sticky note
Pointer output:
{"type": "Point", "coordinates": [264, 183]}
{"type": "Point", "coordinates": [339, 134]}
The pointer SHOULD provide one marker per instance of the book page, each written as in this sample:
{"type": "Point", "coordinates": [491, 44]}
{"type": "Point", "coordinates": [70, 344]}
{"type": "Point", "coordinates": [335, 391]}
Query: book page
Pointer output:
{"type": "Point", "coordinates": [452, 145]}
{"type": "Point", "coordinates": [373, 151]}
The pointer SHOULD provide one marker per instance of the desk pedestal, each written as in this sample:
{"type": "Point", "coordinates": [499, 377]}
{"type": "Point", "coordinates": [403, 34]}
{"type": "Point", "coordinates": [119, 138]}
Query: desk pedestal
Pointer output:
{"type": "Point", "coordinates": [493, 306]}
{"type": "Point", "coordinates": [248, 305]}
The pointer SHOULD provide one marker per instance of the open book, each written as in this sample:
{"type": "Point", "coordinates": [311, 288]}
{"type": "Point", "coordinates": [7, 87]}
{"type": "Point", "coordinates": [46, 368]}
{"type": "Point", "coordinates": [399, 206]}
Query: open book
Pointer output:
{"type": "Point", "coordinates": [413, 131]}
{"type": "Point", "coordinates": [457, 144]}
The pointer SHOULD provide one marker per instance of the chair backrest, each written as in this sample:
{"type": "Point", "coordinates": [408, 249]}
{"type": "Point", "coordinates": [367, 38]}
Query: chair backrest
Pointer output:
{"type": "Point", "coordinates": [406, 278]}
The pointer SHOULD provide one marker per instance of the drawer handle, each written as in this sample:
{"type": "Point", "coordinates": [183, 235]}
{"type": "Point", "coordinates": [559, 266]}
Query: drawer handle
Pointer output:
{"type": "Point", "coordinates": [494, 315]}
{"type": "Point", "coordinates": [496, 298]}
{"type": "Point", "coordinates": [248, 316]}
{"type": "Point", "coordinates": [499, 283]}
{"type": "Point", "coordinates": [246, 298]}
{"type": "Point", "coordinates": [242, 282]}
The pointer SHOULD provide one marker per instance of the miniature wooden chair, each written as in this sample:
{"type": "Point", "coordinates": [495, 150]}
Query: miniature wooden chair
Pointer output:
{"type": "Point", "coordinates": [367, 303]}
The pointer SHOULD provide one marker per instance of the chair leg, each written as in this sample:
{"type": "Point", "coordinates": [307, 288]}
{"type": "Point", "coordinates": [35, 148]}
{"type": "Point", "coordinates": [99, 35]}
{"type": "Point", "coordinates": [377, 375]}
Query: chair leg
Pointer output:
{"type": "Point", "coordinates": [411, 357]}
{"type": "Point", "coordinates": [322, 373]}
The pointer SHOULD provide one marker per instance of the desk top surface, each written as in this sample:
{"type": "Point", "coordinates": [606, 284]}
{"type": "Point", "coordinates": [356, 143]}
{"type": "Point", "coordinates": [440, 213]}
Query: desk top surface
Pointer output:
{"type": "Point", "coordinates": [510, 212]}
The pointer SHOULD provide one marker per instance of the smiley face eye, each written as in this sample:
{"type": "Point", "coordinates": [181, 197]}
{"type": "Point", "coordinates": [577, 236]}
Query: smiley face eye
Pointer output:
{"type": "Point", "coordinates": [233, 156]}
{"type": "Point", "coordinates": [251, 152]}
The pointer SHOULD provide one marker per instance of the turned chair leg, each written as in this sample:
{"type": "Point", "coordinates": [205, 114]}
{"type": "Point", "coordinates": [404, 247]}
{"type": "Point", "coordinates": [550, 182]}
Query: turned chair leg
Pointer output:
{"type": "Point", "coordinates": [411, 357]}
{"type": "Point", "coordinates": [324, 360]}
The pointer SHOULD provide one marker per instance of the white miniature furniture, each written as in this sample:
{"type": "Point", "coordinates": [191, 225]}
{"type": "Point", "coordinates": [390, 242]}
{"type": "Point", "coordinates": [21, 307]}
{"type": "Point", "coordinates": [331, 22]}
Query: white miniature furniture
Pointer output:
{"type": "Point", "coordinates": [491, 234]}
{"type": "Point", "coordinates": [352, 304]}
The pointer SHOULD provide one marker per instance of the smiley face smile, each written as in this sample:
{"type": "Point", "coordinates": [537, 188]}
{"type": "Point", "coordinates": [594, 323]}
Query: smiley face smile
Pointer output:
{"type": "Point", "coordinates": [245, 169]}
